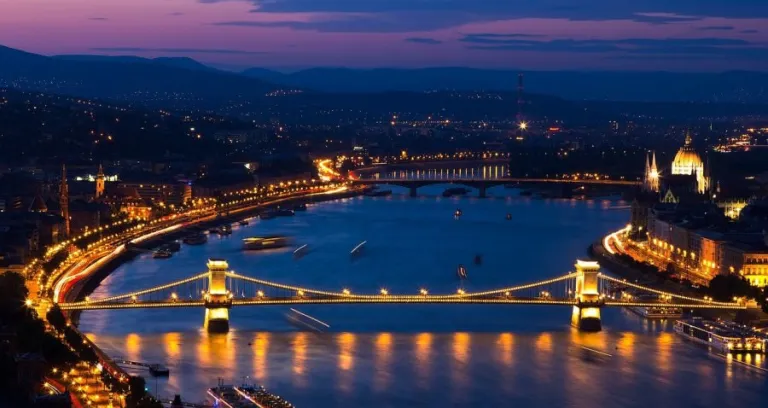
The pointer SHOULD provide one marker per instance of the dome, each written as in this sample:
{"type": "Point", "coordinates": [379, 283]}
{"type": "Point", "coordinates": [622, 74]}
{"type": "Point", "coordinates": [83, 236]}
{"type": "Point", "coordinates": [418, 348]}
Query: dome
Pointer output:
{"type": "Point", "coordinates": [687, 161]}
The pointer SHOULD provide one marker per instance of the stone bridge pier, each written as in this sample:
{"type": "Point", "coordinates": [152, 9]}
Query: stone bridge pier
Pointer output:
{"type": "Point", "coordinates": [586, 314]}
{"type": "Point", "coordinates": [218, 300]}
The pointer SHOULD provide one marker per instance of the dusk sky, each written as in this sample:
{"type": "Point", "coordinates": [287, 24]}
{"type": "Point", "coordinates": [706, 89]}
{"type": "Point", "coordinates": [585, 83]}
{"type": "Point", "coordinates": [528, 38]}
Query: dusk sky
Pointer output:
{"type": "Point", "coordinates": [528, 34]}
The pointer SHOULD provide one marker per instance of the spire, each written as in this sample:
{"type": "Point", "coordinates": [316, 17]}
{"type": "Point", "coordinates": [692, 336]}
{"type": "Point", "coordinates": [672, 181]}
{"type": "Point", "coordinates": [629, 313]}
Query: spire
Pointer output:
{"type": "Point", "coordinates": [100, 178]}
{"type": "Point", "coordinates": [688, 139]}
{"type": "Point", "coordinates": [654, 169]}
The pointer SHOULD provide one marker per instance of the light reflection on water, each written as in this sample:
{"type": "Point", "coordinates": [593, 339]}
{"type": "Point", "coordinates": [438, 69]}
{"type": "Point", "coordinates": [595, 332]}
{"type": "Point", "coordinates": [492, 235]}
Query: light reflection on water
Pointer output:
{"type": "Point", "coordinates": [384, 356]}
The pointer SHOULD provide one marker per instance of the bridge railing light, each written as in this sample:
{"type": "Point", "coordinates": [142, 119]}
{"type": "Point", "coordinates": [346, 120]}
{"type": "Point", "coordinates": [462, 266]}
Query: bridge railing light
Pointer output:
{"type": "Point", "coordinates": [260, 294]}
{"type": "Point", "coordinates": [384, 292]}
{"type": "Point", "coordinates": [346, 292]}
{"type": "Point", "coordinates": [423, 292]}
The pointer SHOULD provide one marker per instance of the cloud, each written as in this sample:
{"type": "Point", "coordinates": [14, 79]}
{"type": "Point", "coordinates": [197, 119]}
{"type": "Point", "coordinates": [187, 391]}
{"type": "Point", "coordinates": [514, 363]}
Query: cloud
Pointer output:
{"type": "Point", "coordinates": [428, 15]}
{"type": "Point", "coordinates": [176, 14]}
{"type": "Point", "coordinates": [177, 50]}
{"type": "Point", "coordinates": [677, 47]}
{"type": "Point", "coordinates": [716, 28]}
{"type": "Point", "coordinates": [98, 18]}
{"type": "Point", "coordinates": [423, 40]}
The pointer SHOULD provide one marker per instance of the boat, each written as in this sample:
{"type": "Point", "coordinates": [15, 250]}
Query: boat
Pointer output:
{"type": "Point", "coordinates": [159, 370]}
{"type": "Point", "coordinates": [358, 249]}
{"type": "Point", "coordinates": [284, 212]}
{"type": "Point", "coordinates": [162, 254]}
{"type": "Point", "coordinates": [461, 272]}
{"type": "Point", "coordinates": [225, 229]}
{"type": "Point", "coordinates": [455, 191]}
{"type": "Point", "coordinates": [657, 312]}
{"type": "Point", "coordinates": [305, 321]}
{"type": "Point", "coordinates": [457, 213]}
{"type": "Point", "coordinates": [266, 242]}
{"type": "Point", "coordinates": [195, 239]}
{"type": "Point", "coordinates": [509, 217]}
{"type": "Point", "coordinates": [379, 193]}
{"type": "Point", "coordinates": [173, 246]}
{"type": "Point", "coordinates": [300, 207]}
{"type": "Point", "coordinates": [214, 230]}
{"type": "Point", "coordinates": [720, 337]}
{"type": "Point", "coordinates": [243, 223]}
{"type": "Point", "coordinates": [301, 251]}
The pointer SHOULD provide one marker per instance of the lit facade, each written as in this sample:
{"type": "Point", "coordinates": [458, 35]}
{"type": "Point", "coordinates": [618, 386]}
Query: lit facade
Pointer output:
{"type": "Point", "coordinates": [688, 163]}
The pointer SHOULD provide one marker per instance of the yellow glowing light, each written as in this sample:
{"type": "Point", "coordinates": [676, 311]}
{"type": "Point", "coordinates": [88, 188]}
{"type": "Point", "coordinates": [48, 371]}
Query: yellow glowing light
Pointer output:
{"type": "Point", "coordinates": [384, 292]}
{"type": "Point", "coordinates": [523, 125]}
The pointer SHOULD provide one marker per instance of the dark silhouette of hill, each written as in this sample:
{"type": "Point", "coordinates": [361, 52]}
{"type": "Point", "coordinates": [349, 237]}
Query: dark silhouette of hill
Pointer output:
{"type": "Point", "coordinates": [126, 79]}
{"type": "Point", "coordinates": [735, 86]}
{"type": "Point", "coordinates": [178, 62]}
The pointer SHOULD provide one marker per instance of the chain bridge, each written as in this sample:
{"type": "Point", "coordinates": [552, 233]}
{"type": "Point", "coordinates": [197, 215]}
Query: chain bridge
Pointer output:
{"type": "Point", "coordinates": [586, 290]}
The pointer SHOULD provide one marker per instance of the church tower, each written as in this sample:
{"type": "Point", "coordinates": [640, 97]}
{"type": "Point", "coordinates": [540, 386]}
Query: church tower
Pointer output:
{"type": "Point", "coordinates": [100, 179]}
{"type": "Point", "coordinates": [64, 199]}
{"type": "Point", "coordinates": [651, 180]}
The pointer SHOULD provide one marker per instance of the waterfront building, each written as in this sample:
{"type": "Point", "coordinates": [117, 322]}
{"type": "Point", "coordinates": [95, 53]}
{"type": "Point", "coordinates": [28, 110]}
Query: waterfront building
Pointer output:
{"type": "Point", "coordinates": [688, 163]}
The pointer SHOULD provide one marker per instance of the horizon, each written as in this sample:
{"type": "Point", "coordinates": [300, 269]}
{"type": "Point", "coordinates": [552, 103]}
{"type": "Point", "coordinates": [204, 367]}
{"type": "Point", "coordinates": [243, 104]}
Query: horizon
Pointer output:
{"type": "Point", "coordinates": [291, 35]}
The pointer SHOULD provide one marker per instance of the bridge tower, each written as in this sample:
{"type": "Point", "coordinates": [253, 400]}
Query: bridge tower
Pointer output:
{"type": "Point", "coordinates": [218, 300]}
{"type": "Point", "coordinates": [586, 314]}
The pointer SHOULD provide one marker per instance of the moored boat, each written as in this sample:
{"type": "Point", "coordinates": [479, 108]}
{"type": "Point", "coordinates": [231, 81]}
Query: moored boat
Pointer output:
{"type": "Point", "coordinates": [162, 254]}
{"type": "Point", "coordinates": [300, 207]}
{"type": "Point", "coordinates": [243, 223]}
{"type": "Point", "coordinates": [173, 246]}
{"type": "Point", "coordinates": [195, 239]}
{"type": "Point", "coordinates": [720, 337]}
{"type": "Point", "coordinates": [225, 229]}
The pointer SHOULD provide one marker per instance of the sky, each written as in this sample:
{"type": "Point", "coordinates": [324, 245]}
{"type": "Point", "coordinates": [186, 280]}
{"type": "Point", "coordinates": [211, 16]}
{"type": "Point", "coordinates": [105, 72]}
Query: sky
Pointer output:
{"type": "Point", "coordinates": [675, 35]}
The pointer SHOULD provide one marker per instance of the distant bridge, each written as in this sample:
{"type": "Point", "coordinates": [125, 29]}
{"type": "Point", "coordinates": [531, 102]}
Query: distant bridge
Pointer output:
{"type": "Point", "coordinates": [483, 184]}
{"type": "Point", "coordinates": [587, 290]}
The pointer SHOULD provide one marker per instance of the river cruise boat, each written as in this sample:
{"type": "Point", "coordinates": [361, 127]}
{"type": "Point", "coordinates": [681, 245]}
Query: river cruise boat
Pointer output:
{"type": "Point", "coordinates": [655, 312]}
{"type": "Point", "coordinates": [455, 191]}
{"type": "Point", "coordinates": [162, 254]}
{"type": "Point", "coordinates": [267, 242]}
{"type": "Point", "coordinates": [720, 337]}
{"type": "Point", "coordinates": [196, 239]}
{"type": "Point", "coordinates": [225, 229]}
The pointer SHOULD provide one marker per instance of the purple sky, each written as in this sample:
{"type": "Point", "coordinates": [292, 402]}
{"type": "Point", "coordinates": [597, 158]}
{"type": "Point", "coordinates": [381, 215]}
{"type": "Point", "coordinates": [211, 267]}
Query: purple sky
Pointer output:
{"type": "Point", "coordinates": [528, 34]}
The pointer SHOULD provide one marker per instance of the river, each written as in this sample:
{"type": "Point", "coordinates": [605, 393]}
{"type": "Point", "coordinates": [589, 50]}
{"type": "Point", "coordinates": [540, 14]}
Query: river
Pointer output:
{"type": "Point", "coordinates": [420, 355]}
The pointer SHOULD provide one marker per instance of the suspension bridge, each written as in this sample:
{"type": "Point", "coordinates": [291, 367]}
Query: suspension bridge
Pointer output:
{"type": "Point", "coordinates": [586, 290]}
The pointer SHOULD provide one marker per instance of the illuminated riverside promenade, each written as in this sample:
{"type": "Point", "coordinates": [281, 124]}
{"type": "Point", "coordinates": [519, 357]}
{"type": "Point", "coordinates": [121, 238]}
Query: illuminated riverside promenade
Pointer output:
{"type": "Point", "coordinates": [381, 355]}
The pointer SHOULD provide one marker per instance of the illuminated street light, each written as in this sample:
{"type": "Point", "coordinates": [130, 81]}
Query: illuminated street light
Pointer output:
{"type": "Point", "coordinates": [523, 125]}
{"type": "Point", "coordinates": [384, 292]}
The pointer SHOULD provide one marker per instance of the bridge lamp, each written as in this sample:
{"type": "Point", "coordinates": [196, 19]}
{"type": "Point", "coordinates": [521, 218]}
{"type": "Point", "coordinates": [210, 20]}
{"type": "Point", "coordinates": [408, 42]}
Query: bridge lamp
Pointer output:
{"type": "Point", "coordinates": [174, 296]}
{"type": "Point", "coordinates": [460, 291]}
{"type": "Point", "coordinates": [507, 294]}
{"type": "Point", "coordinates": [423, 292]}
{"type": "Point", "coordinates": [300, 293]}
{"type": "Point", "coordinates": [346, 291]}
{"type": "Point", "coordinates": [384, 292]}
{"type": "Point", "coordinates": [133, 298]}
{"type": "Point", "coordinates": [87, 298]}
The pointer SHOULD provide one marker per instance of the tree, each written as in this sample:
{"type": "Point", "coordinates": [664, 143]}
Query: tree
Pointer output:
{"type": "Point", "coordinates": [725, 287]}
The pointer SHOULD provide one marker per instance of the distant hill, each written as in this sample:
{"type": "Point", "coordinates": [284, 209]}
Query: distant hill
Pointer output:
{"type": "Point", "coordinates": [178, 62]}
{"type": "Point", "coordinates": [736, 86]}
{"type": "Point", "coordinates": [128, 78]}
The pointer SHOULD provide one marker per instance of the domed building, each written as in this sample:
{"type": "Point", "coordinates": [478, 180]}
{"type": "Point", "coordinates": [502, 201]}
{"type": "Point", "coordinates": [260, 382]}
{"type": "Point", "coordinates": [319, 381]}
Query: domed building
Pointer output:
{"type": "Point", "coordinates": [688, 163]}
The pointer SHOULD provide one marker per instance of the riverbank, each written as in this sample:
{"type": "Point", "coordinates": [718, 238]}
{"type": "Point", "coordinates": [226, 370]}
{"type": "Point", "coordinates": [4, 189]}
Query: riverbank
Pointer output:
{"type": "Point", "coordinates": [88, 284]}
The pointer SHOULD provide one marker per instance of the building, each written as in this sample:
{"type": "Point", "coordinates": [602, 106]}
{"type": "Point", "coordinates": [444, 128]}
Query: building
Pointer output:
{"type": "Point", "coordinates": [688, 163]}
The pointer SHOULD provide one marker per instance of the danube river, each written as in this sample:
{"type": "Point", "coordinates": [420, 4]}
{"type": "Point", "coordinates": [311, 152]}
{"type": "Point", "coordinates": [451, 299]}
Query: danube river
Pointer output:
{"type": "Point", "coordinates": [420, 355]}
